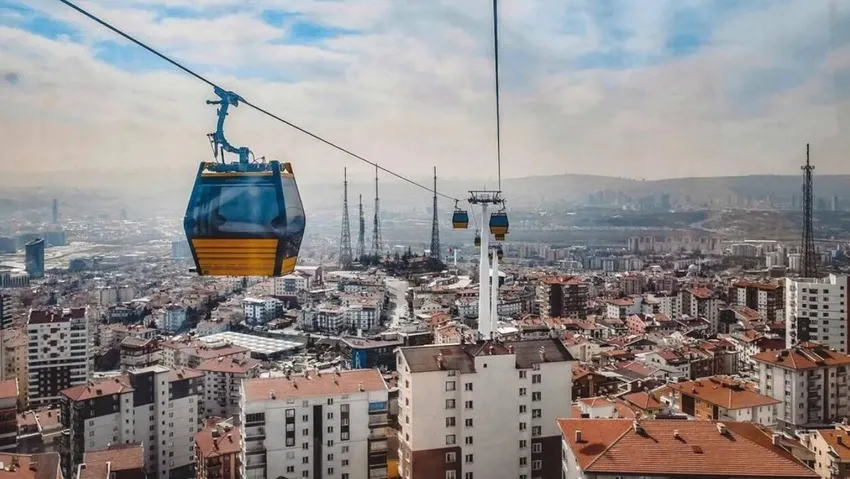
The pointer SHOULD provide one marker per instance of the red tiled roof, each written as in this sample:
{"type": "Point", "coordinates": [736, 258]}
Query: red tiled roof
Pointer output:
{"type": "Point", "coordinates": [810, 357]}
{"type": "Point", "coordinates": [94, 389]}
{"type": "Point", "coordinates": [642, 400]}
{"type": "Point", "coordinates": [120, 457]}
{"type": "Point", "coordinates": [228, 364]}
{"type": "Point", "coordinates": [613, 446]}
{"type": "Point", "coordinates": [702, 293]}
{"type": "Point", "coordinates": [757, 285]}
{"type": "Point", "coordinates": [228, 442]}
{"type": "Point", "coordinates": [345, 382]}
{"type": "Point", "coordinates": [723, 392]}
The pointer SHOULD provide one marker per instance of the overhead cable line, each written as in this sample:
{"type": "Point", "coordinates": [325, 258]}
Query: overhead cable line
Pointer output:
{"type": "Point", "coordinates": [200, 77]}
{"type": "Point", "coordinates": [498, 106]}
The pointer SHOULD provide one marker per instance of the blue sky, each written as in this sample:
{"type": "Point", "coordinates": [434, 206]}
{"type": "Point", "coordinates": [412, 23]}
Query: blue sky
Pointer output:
{"type": "Point", "coordinates": [573, 70]}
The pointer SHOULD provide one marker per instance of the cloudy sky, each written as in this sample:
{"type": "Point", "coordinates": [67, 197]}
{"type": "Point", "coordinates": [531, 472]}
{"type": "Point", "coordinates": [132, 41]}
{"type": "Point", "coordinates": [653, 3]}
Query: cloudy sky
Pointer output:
{"type": "Point", "coordinates": [630, 88]}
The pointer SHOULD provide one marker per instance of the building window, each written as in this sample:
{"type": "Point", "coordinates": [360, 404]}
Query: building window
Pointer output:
{"type": "Point", "coordinates": [535, 379]}
{"type": "Point", "coordinates": [537, 447]}
{"type": "Point", "coordinates": [343, 436]}
{"type": "Point", "coordinates": [468, 440]}
{"type": "Point", "coordinates": [536, 413]}
{"type": "Point", "coordinates": [450, 439]}
{"type": "Point", "coordinates": [522, 426]}
{"type": "Point", "coordinates": [330, 415]}
{"type": "Point", "coordinates": [330, 471]}
{"type": "Point", "coordinates": [290, 442]}
{"type": "Point", "coordinates": [467, 475]}
{"type": "Point", "coordinates": [450, 422]}
{"type": "Point", "coordinates": [522, 409]}
{"type": "Point", "coordinates": [522, 391]}
{"type": "Point", "coordinates": [536, 465]}
{"type": "Point", "coordinates": [535, 396]}
{"type": "Point", "coordinates": [522, 374]}
{"type": "Point", "coordinates": [451, 475]}
{"type": "Point", "coordinates": [290, 469]}
{"type": "Point", "coordinates": [330, 401]}
{"type": "Point", "coordinates": [468, 422]}
{"type": "Point", "coordinates": [468, 404]}
{"type": "Point", "coordinates": [330, 457]}
{"type": "Point", "coordinates": [450, 385]}
{"type": "Point", "coordinates": [523, 461]}
{"type": "Point", "coordinates": [523, 444]}
{"type": "Point", "coordinates": [467, 387]}
{"type": "Point", "coordinates": [535, 431]}
{"type": "Point", "coordinates": [450, 457]}
{"type": "Point", "coordinates": [343, 407]}
{"type": "Point", "coordinates": [452, 373]}
{"type": "Point", "coordinates": [450, 403]}
{"type": "Point", "coordinates": [468, 459]}
{"type": "Point", "coordinates": [290, 413]}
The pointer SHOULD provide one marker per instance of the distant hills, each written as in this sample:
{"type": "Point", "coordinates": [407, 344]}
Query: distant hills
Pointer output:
{"type": "Point", "coordinates": [151, 190]}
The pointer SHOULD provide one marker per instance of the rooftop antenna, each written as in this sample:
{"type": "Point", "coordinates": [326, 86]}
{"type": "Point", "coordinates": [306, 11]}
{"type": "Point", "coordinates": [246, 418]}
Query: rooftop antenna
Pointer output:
{"type": "Point", "coordinates": [345, 235]}
{"type": "Point", "coordinates": [808, 260]}
{"type": "Point", "coordinates": [377, 249]}
{"type": "Point", "coordinates": [435, 225]}
{"type": "Point", "coordinates": [361, 235]}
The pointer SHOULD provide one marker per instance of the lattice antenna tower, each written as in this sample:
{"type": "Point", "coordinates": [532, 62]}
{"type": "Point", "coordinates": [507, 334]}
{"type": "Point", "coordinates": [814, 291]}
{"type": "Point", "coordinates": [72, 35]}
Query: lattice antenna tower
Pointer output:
{"type": "Point", "coordinates": [361, 235]}
{"type": "Point", "coordinates": [377, 248]}
{"type": "Point", "coordinates": [435, 225]}
{"type": "Point", "coordinates": [345, 235]}
{"type": "Point", "coordinates": [808, 258]}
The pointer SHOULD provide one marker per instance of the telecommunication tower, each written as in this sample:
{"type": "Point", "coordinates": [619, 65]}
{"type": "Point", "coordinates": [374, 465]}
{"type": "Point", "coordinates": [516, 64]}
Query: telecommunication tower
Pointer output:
{"type": "Point", "coordinates": [345, 235]}
{"type": "Point", "coordinates": [377, 248]}
{"type": "Point", "coordinates": [361, 234]}
{"type": "Point", "coordinates": [435, 225]}
{"type": "Point", "coordinates": [808, 257]}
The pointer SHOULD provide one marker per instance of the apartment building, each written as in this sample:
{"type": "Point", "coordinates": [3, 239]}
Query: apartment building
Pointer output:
{"type": "Point", "coordinates": [58, 353]}
{"type": "Point", "coordinates": [659, 448]}
{"type": "Point", "coordinates": [260, 311]}
{"type": "Point", "coordinates": [217, 449]}
{"type": "Point", "coordinates": [810, 381]}
{"type": "Point", "coordinates": [766, 298]}
{"type": "Point", "coordinates": [222, 384]}
{"type": "Point", "coordinates": [701, 303]}
{"type": "Point", "coordinates": [721, 398]}
{"type": "Point", "coordinates": [9, 415]}
{"type": "Point", "coordinates": [39, 431]}
{"type": "Point", "coordinates": [567, 298]}
{"type": "Point", "coordinates": [191, 354]}
{"type": "Point", "coordinates": [157, 407]}
{"type": "Point", "coordinates": [331, 425]}
{"type": "Point", "coordinates": [816, 310]}
{"type": "Point", "coordinates": [117, 461]}
{"type": "Point", "coordinates": [483, 410]}
{"type": "Point", "coordinates": [5, 310]}
{"type": "Point", "coordinates": [13, 361]}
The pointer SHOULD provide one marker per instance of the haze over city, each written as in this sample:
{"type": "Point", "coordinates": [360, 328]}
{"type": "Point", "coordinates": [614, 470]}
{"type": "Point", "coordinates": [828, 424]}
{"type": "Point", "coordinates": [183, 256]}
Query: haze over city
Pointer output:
{"type": "Point", "coordinates": [667, 89]}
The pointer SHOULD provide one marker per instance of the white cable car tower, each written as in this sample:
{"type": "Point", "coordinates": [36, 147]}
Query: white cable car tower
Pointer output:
{"type": "Point", "coordinates": [487, 308]}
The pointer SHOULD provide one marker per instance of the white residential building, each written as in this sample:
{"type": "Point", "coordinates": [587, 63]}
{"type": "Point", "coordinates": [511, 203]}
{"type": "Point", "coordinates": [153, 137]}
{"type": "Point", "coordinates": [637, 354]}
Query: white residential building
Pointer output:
{"type": "Point", "coordinates": [483, 410]}
{"type": "Point", "coordinates": [222, 381]}
{"type": "Point", "coordinates": [172, 319]}
{"type": "Point", "coordinates": [58, 353]}
{"type": "Point", "coordinates": [155, 406]}
{"type": "Point", "coordinates": [332, 425]}
{"type": "Point", "coordinates": [701, 303]}
{"type": "Point", "coordinates": [260, 311]}
{"type": "Point", "coordinates": [809, 380]}
{"type": "Point", "coordinates": [113, 295]}
{"type": "Point", "coordinates": [816, 310]}
{"type": "Point", "coordinates": [291, 284]}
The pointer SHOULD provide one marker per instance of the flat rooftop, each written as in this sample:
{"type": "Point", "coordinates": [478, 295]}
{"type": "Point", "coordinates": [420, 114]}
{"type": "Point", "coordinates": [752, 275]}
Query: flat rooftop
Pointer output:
{"type": "Point", "coordinates": [254, 344]}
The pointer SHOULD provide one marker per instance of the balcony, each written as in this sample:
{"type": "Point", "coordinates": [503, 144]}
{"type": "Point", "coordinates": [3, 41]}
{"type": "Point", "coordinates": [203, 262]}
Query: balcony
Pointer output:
{"type": "Point", "coordinates": [379, 433]}
{"type": "Point", "coordinates": [379, 420]}
{"type": "Point", "coordinates": [377, 474]}
{"type": "Point", "coordinates": [377, 447]}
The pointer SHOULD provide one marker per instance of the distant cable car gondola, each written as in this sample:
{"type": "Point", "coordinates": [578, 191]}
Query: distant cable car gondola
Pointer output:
{"type": "Point", "coordinates": [499, 223]}
{"type": "Point", "coordinates": [499, 253]}
{"type": "Point", "coordinates": [477, 239]}
{"type": "Point", "coordinates": [460, 218]}
{"type": "Point", "coordinates": [243, 218]}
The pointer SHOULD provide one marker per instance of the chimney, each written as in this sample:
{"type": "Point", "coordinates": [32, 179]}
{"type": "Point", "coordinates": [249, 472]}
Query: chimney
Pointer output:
{"type": "Point", "coordinates": [774, 439]}
{"type": "Point", "coordinates": [490, 349]}
{"type": "Point", "coordinates": [721, 428]}
{"type": "Point", "coordinates": [676, 433]}
{"type": "Point", "coordinates": [543, 353]}
{"type": "Point", "coordinates": [318, 373]}
{"type": "Point", "coordinates": [360, 387]}
{"type": "Point", "coordinates": [637, 427]}
{"type": "Point", "coordinates": [578, 436]}
{"type": "Point", "coordinates": [440, 360]}
{"type": "Point", "coordinates": [271, 393]}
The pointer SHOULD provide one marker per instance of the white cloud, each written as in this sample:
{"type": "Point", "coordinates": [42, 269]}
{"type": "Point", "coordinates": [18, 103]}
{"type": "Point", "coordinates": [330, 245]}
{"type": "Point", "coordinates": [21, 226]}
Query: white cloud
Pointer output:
{"type": "Point", "coordinates": [415, 89]}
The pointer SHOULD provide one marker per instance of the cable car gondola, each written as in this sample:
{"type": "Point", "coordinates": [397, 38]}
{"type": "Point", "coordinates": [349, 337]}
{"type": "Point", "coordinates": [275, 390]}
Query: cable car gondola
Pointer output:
{"type": "Point", "coordinates": [243, 218]}
{"type": "Point", "coordinates": [477, 239]}
{"type": "Point", "coordinates": [499, 223]}
{"type": "Point", "coordinates": [499, 253]}
{"type": "Point", "coordinates": [460, 218]}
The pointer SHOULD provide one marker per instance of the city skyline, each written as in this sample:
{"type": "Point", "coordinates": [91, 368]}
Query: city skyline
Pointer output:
{"type": "Point", "coordinates": [589, 87]}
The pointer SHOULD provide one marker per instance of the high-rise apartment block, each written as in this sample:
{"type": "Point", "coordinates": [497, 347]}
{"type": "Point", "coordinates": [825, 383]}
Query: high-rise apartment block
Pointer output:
{"type": "Point", "coordinates": [816, 310]}
{"type": "Point", "coordinates": [58, 353]}
{"type": "Point", "coordinates": [483, 410]}
{"type": "Point", "coordinates": [766, 298]}
{"type": "Point", "coordinates": [5, 310]}
{"type": "Point", "coordinates": [35, 258]}
{"type": "Point", "coordinates": [157, 407]}
{"type": "Point", "coordinates": [567, 298]}
{"type": "Point", "coordinates": [331, 425]}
